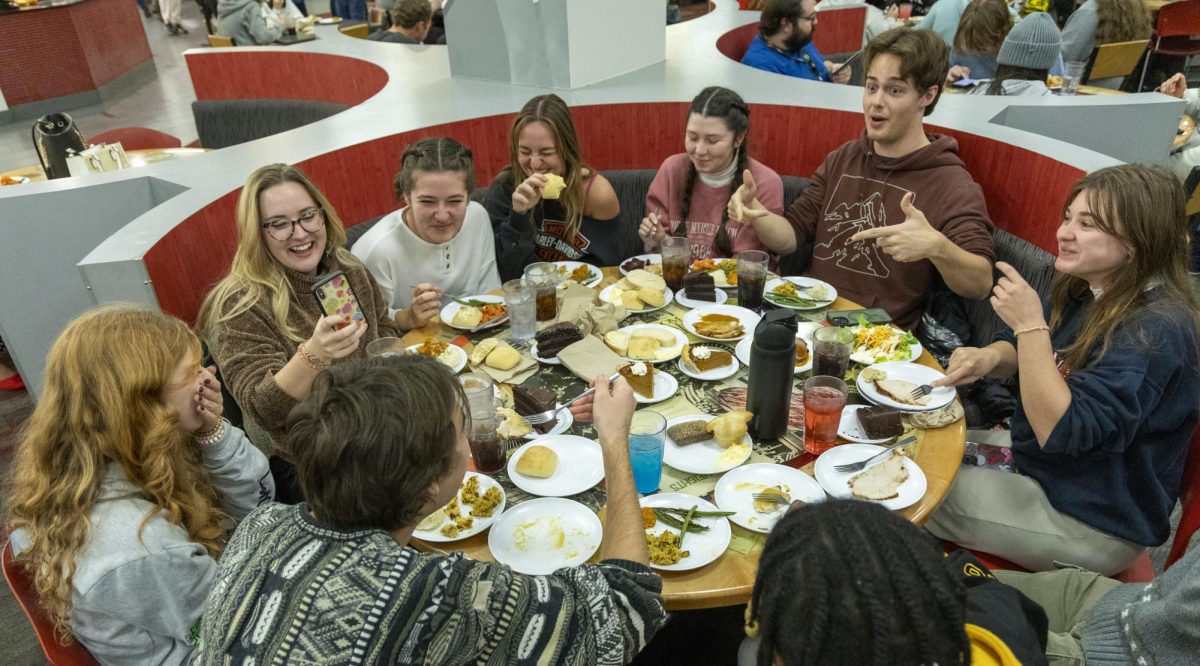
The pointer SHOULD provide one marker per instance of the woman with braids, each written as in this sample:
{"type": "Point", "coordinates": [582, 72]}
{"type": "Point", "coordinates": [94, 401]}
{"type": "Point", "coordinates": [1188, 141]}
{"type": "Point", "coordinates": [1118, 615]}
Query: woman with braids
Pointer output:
{"type": "Point", "coordinates": [441, 241]}
{"type": "Point", "coordinates": [1098, 22]}
{"type": "Point", "coordinates": [1109, 386]}
{"type": "Point", "coordinates": [579, 224]}
{"type": "Point", "coordinates": [690, 193]}
{"type": "Point", "coordinates": [262, 323]}
{"type": "Point", "coordinates": [124, 484]}
{"type": "Point", "coordinates": [848, 583]}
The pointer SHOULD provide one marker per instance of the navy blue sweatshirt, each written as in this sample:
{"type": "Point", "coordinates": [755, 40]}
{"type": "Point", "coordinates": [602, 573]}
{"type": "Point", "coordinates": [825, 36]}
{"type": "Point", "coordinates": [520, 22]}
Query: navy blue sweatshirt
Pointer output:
{"type": "Point", "coordinates": [1115, 459]}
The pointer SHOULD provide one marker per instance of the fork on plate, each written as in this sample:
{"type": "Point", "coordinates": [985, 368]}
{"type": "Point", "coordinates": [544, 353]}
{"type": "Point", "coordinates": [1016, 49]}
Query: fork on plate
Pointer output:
{"type": "Point", "coordinates": [862, 464]}
{"type": "Point", "coordinates": [921, 391]}
{"type": "Point", "coordinates": [772, 497]}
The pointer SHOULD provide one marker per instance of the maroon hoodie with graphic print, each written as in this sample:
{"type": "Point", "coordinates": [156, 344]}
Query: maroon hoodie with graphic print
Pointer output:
{"type": "Point", "coordinates": [855, 189]}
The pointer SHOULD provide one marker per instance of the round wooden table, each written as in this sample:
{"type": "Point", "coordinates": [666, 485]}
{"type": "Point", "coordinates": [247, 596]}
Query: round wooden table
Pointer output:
{"type": "Point", "coordinates": [730, 579]}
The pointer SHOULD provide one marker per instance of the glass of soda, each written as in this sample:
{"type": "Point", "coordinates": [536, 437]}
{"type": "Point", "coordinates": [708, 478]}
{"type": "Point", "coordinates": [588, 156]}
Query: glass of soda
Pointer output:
{"type": "Point", "coordinates": [522, 310]}
{"type": "Point", "coordinates": [543, 277]}
{"type": "Point", "coordinates": [831, 351]}
{"type": "Point", "coordinates": [676, 257]}
{"type": "Point", "coordinates": [646, 439]}
{"type": "Point", "coordinates": [824, 398]}
{"type": "Point", "coordinates": [751, 278]}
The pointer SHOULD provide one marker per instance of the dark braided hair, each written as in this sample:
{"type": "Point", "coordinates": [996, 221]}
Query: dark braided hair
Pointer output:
{"type": "Point", "coordinates": [847, 582]}
{"type": "Point", "coordinates": [434, 155]}
{"type": "Point", "coordinates": [718, 102]}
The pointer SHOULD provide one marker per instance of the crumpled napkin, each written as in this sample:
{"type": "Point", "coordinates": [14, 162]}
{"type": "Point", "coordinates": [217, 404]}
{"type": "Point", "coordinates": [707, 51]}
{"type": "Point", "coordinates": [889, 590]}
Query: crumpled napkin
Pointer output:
{"type": "Point", "coordinates": [937, 418]}
{"type": "Point", "coordinates": [577, 305]}
{"type": "Point", "coordinates": [518, 374]}
{"type": "Point", "coordinates": [589, 358]}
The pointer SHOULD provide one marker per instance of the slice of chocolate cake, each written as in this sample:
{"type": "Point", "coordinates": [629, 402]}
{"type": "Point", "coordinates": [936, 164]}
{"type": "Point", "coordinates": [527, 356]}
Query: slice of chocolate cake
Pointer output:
{"type": "Point", "coordinates": [553, 339]}
{"type": "Point", "coordinates": [699, 286]}
{"type": "Point", "coordinates": [528, 401]}
{"type": "Point", "coordinates": [880, 422]}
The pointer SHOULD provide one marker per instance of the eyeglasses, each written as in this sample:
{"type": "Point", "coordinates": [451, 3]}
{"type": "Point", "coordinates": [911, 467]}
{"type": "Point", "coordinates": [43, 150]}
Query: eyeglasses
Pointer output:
{"type": "Point", "coordinates": [281, 228]}
{"type": "Point", "coordinates": [812, 18]}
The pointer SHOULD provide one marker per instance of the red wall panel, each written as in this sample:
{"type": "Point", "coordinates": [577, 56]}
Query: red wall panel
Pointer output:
{"type": "Point", "coordinates": [792, 140]}
{"type": "Point", "coordinates": [233, 74]}
{"type": "Point", "coordinates": [840, 30]}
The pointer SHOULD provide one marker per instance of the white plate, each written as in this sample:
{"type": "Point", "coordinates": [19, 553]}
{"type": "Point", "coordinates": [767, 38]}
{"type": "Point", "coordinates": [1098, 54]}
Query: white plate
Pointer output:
{"type": "Point", "coordinates": [801, 282]}
{"type": "Point", "coordinates": [562, 423]}
{"type": "Point", "coordinates": [837, 483]}
{"type": "Point", "coordinates": [676, 349]}
{"type": "Point", "coordinates": [701, 457]}
{"type": "Point", "coordinates": [908, 372]}
{"type": "Point", "coordinates": [480, 524]}
{"type": "Point", "coordinates": [541, 536]}
{"type": "Point", "coordinates": [649, 258]}
{"type": "Point", "coordinates": [665, 386]}
{"type": "Point", "coordinates": [703, 547]}
{"type": "Point", "coordinates": [580, 466]}
{"type": "Point", "coordinates": [691, 303]}
{"type": "Point", "coordinates": [668, 296]}
{"type": "Point", "coordinates": [533, 350]}
{"type": "Point", "coordinates": [865, 358]}
{"type": "Point", "coordinates": [453, 307]}
{"type": "Point", "coordinates": [329, 20]}
{"type": "Point", "coordinates": [597, 274]}
{"type": "Point", "coordinates": [454, 357]}
{"type": "Point", "coordinates": [850, 428]}
{"type": "Point", "coordinates": [715, 374]}
{"type": "Point", "coordinates": [735, 493]}
{"type": "Point", "coordinates": [804, 331]}
{"type": "Point", "coordinates": [749, 320]}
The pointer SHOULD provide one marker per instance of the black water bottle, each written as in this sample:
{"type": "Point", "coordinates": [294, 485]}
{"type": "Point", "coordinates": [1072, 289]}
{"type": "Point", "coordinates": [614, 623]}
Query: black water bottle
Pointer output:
{"type": "Point", "coordinates": [772, 364]}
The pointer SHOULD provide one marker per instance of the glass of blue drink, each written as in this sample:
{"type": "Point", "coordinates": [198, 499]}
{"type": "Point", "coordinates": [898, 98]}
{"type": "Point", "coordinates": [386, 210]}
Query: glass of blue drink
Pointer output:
{"type": "Point", "coordinates": [646, 435]}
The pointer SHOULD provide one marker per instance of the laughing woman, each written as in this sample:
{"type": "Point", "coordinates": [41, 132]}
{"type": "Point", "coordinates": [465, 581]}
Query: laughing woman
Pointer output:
{"type": "Point", "coordinates": [124, 483]}
{"type": "Point", "coordinates": [577, 224]}
{"type": "Point", "coordinates": [1109, 386]}
{"type": "Point", "coordinates": [262, 322]}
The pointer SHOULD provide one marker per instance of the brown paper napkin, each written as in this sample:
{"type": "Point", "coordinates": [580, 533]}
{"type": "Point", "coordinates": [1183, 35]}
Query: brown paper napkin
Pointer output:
{"type": "Point", "coordinates": [590, 358]}
{"type": "Point", "coordinates": [577, 305]}
{"type": "Point", "coordinates": [517, 374]}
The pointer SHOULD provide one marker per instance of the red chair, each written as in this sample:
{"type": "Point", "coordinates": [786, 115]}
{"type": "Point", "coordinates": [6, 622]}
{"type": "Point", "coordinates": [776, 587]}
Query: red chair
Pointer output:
{"type": "Point", "coordinates": [22, 588]}
{"type": "Point", "coordinates": [136, 138]}
{"type": "Point", "coordinates": [1176, 33]}
{"type": "Point", "coordinates": [734, 43]}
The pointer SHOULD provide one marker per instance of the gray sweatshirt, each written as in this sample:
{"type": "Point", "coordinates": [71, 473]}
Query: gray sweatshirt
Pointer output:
{"type": "Point", "coordinates": [248, 22]}
{"type": "Point", "coordinates": [136, 601]}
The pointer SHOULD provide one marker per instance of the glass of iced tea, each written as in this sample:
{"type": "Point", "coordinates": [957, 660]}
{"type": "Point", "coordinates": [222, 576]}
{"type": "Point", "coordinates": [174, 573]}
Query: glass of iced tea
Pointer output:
{"type": "Point", "coordinates": [831, 350]}
{"type": "Point", "coordinates": [824, 398]}
{"type": "Point", "coordinates": [751, 278]}
{"type": "Point", "coordinates": [676, 256]}
{"type": "Point", "coordinates": [543, 277]}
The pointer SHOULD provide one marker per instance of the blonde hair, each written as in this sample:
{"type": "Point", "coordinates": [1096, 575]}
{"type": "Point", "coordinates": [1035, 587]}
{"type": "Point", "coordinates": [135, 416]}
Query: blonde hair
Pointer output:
{"type": "Point", "coordinates": [102, 404]}
{"type": "Point", "coordinates": [255, 275]}
{"type": "Point", "coordinates": [1142, 206]}
{"type": "Point", "coordinates": [553, 111]}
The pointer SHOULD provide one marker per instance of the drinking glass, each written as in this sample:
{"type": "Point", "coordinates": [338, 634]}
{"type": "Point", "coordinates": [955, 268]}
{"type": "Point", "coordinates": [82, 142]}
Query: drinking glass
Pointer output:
{"type": "Point", "coordinates": [481, 397]}
{"type": "Point", "coordinates": [522, 311]}
{"type": "Point", "coordinates": [386, 347]}
{"type": "Point", "coordinates": [824, 398]}
{"type": "Point", "coordinates": [646, 437]}
{"type": "Point", "coordinates": [831, 351]}
{"type": "Point", "coordinates": [905, 12]}
{"type": "Point", "coordinates": [486, 448]}
{"type": "Point", "coordinates": [751, 278]}
{"type": "Point", "coordinates": [676, 256]}
{"type": "Point", "coordinates": [543, 277]}
{"type": "Point", "coordinates": [1072, 75]}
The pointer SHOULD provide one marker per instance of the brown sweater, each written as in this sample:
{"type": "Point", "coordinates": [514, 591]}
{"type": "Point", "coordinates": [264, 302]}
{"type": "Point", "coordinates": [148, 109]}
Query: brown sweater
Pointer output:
{"type": "Point", "coordinates": [250, 349]}
{"type": "Point", "coordinates": [855, 189]}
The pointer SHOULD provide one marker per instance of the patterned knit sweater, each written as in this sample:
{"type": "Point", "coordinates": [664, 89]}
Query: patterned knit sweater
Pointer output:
{"type": "Point", "coordinates": [289, 591]}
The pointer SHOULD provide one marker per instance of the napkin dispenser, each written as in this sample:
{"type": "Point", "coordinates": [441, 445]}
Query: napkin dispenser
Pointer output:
{"type": "Point", "coordinates": [772, 367]}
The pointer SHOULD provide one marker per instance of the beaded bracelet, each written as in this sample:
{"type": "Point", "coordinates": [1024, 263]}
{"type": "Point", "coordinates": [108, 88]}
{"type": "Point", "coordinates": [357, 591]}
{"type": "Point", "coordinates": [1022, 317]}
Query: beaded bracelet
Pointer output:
{"type": "Point", "coordinates": [310, 359]}
{"type": "Point", "coordinates": [1031, 329]}
{"type": "Point", "coordinates": [210, 437]}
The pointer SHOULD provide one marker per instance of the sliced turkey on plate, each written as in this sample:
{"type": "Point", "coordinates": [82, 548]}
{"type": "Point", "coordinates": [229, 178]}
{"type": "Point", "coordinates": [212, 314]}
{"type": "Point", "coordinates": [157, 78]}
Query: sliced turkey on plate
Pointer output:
{"type": "Point", "coordinates": [900, 391]}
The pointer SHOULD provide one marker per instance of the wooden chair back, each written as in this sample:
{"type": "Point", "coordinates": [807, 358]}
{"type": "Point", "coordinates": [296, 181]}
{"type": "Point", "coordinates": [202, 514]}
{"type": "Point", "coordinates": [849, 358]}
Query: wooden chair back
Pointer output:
{"type": "Point", "coordinates": [1115, 59]}
{"type": "Point", "coordinates": [377, 16]}
{"type": "Point", "coordinates": [359, 30]}
{"type": "Point", "coordinates": [220, 40]}
{"type": "Point", "coordinates": [22, 588]}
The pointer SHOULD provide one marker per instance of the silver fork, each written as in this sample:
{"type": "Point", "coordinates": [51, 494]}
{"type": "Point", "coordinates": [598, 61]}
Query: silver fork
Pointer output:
{"type": "Point", "coordinates": [771, 497]}
{"type": "Point", "coordinates": [550, 414]}
{"type": "Point", "coordinates": [862, 464]}
{"type": "Point", "coordinates": [921, 391]}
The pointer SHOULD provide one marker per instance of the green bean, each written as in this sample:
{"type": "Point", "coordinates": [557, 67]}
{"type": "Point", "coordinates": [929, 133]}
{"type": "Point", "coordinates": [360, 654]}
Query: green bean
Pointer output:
{"type": "Point", "coordinates": [686, 523]}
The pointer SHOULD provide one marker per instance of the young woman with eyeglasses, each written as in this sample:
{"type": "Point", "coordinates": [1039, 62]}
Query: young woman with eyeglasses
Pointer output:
{"type": "Point", "coordinates": [262, 322]}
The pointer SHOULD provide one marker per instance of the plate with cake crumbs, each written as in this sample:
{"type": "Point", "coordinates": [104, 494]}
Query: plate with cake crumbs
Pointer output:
{"type": "Point", "coordinates": [540, 536]}
{"type": "Point", "coordinates": [479, 501]}
{"type": "Point", "coordinates": [707, 536]}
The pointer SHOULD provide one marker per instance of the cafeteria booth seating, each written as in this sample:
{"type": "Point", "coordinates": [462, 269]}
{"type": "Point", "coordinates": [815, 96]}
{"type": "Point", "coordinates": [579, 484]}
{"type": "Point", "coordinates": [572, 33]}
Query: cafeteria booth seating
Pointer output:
{"type": "Point", "coordinates": [164, 234]}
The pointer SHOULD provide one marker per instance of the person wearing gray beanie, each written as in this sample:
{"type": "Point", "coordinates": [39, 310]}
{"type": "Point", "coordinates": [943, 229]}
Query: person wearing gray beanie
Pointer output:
{"type": "Point", "coordinates": [1026, 56]}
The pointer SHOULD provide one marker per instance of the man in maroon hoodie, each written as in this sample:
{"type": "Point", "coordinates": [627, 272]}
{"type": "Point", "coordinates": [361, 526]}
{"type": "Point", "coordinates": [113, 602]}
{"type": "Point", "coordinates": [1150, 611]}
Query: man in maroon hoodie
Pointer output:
{"type": "Point", "coordinates": [870, 240]}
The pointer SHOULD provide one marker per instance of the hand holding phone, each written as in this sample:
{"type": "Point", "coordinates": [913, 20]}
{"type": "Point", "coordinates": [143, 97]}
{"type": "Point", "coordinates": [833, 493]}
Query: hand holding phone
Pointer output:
{"type": "Point", "coordinates": [336, 297]}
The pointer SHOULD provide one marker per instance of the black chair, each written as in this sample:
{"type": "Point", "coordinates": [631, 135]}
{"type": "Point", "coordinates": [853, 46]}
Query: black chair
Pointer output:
{"type": "Point", "coordinates": [228, 122]}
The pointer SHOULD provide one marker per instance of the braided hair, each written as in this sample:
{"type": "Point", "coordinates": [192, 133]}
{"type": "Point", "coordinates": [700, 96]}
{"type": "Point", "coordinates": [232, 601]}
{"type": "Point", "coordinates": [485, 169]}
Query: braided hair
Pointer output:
{"type": "Point", "coordinates": [718, 102]}
{"type": "Point", "coordinates": [847, 582]}
{"type": "Point", "coordinates": [434, 155]}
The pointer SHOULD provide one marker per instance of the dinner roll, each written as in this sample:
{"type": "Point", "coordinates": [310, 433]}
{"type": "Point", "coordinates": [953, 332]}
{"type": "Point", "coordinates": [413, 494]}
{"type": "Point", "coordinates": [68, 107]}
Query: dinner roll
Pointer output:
{"type": "Point", "coordinates": [537, 461]}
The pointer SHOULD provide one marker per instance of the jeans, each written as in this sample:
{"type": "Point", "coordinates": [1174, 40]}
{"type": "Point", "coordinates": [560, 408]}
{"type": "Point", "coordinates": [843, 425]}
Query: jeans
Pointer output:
{"type": "Point", "coordinates": [354, 10]}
